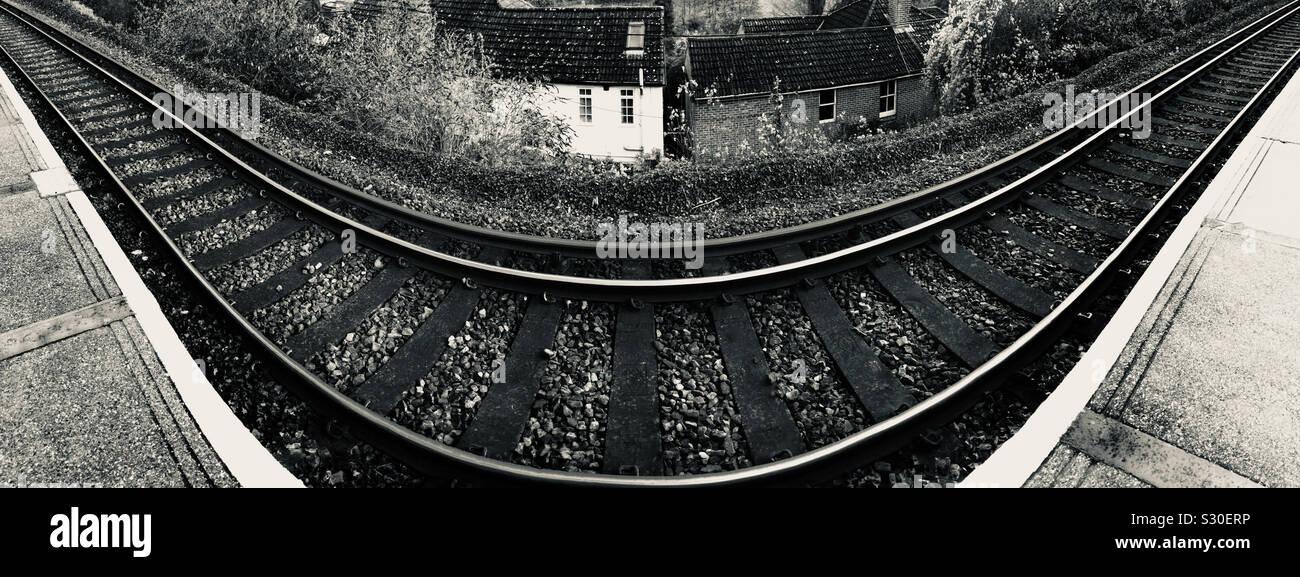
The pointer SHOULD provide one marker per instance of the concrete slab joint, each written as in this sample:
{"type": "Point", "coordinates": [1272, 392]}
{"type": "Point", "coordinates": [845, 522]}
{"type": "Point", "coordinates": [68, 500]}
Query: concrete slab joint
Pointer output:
{"type": "Point", "coordinates": [54, 181]}
{"type": "Point", "coordinates": [1199, 364]}
{"type": "Point", "coordinates": [95, 384]}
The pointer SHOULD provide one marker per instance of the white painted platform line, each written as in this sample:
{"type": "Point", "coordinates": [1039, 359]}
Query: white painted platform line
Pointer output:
{"type": "Point", "coordinates": [248, 461]}
{"type": "Point", "coordinates": [1017, 459]}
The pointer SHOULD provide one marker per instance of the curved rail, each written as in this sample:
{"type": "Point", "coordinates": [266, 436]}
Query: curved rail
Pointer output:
{"type": "Point", "coordinates": [432, 456]}
{"type": "Point", "coordinates": [724, 246]}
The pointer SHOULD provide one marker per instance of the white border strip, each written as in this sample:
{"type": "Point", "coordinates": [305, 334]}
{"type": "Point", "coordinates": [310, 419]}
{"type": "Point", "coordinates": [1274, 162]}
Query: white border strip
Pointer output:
{"type": "Point", "coordinates": [1017, 459]}
{"type": "Point", "coordinates": [250, 463]}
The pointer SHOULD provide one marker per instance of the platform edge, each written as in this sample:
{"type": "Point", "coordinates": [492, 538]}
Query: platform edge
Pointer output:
{"type": "Point", "coordinates": [1012, 464]}
{"type": "Point", "coordinates": [243, 455]}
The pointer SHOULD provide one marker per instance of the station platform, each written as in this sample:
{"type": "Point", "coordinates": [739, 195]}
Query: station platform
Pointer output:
{"type": "Point", "coordinates": [1195, 382]}
{"type": "Point", "coordinates": [96, 388]}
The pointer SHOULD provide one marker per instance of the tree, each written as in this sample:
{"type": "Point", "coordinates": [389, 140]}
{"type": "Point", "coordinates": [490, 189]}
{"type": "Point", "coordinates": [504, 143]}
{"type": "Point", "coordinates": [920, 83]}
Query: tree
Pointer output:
{"type": "Point", "coordinates": [981, 53]}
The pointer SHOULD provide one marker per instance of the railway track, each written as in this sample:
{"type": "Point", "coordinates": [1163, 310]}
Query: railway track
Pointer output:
{"type": "Point", "coordinates": [507, 357]}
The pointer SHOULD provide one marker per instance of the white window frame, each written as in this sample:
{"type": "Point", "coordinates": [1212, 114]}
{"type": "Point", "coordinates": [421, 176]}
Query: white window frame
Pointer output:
{"type": "Point", "coordinates": [627, 106]}
{"type": "Point", "coordinates": [892, 95]}
{"type": "Point", "coordinates": [636, 37]}
{"type": "Point", "coordinates": [834, 104]}
{"type": "Point", "coordinates": [586, 110]}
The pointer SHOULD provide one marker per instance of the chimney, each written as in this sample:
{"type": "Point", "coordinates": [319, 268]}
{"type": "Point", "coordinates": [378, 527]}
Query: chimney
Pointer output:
{"type": "Point", "coordinates": [898, 14]}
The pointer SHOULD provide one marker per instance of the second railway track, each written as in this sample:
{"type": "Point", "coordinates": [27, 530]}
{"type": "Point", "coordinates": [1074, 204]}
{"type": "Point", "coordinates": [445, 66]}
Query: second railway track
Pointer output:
{"type": "Point", "coordinates": [801, 354]}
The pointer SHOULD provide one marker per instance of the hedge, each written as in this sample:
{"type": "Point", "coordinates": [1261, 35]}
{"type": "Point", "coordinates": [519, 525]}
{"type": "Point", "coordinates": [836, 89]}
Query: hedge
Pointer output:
{"type": "Point", "coordinates": [676, 186]}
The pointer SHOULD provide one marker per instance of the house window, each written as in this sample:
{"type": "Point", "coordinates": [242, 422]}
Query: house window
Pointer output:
{"type": "Point", "coordinates": [888, 98]}
{"type": "Point", "coordinates": [826, 106]}
{"type": "Point", "coordinates": [635, 37]}
{"type": "Point", "coordinates": [584, 105]}
{"type": "Point", "coordinates": [628, 107]}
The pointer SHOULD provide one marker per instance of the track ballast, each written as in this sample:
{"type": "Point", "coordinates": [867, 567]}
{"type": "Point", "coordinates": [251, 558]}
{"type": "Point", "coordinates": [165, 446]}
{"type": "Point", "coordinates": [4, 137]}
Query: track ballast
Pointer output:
{"type": "Point", "coordinates": [511, 358]}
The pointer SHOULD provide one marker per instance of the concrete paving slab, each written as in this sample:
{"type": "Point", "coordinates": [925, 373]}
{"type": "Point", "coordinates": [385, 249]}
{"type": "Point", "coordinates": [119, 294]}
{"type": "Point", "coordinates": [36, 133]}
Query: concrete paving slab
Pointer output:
{"type": "Point", "coordinates": [71, 417]}
{"type": "Point", "coordinates": [18, 156]}
{"type": "Point", "coordinates": [1068, 467]}
{"type": "Point", "coordinates": [115, 404]}
{"type": "Point", "coordinates": [39, 334]}
{"type": "Point", "coordinates": [1072, 473]}
{"type": "Point", "coordinates": [42, 276]}
{"type": "Point", "coordinates": [1283, 122]}
{"type": "Point", "coordinates": [14, 168]}
{"type": "Point", "coordinates": [1052, 466]}
{"type": "Point", "coordinates": [1200, 382]}
{"type": "Point", "coordinates": [1103, 476]}
{"type": "Point", "coordinates": [1273, 204]}
{"type": "Point", "coordinates": [54, 181]}
{"type": "Point", "coordinates": [1225, 382]}
{"type": "Point", "coordinates": [202, 460]}
{"type": "Point", "coordinates": [1146, 457]}
{"type": "Point", "coordinates": [84, 248]}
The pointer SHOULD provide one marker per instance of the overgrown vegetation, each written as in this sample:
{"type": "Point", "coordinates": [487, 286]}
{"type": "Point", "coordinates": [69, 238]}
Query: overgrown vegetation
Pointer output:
{"type": "Point", "coordinates": [715, 16]}
{"type": "Point", "coordinates": [118, 11]}
{"type": "Point", "coordinates": [419, 85]}
{"type": "Point", "coordinates": [988, 50]}
{"type": "Point", "coordinates": [766, 191]}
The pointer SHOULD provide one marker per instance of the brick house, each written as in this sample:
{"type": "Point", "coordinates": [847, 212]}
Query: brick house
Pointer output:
{"type": "Point", "coordinates": [861, 64]}
{"type": "Point", "coordinates": [603, 66]}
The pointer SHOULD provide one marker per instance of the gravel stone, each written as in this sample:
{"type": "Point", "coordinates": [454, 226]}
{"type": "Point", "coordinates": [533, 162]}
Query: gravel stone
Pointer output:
{"type": "Point", "coordinates": [185, 208]}
{"type": "Point", "coordinates": [980, 309]}
{"type": "Point", "coordinates": [1061, 232]}
{"type": "Point", "coordinates": [823, 406]}
{"type": "Point", "coordinates": [326, 288]}
{"type": "Point", "coordinates": [699, 426]}
{"type": "Point", "coordinates": [566, 429]}
{"type": "Point", "coordinates": [228, 231]}
{"type": "Point", "coordinates": [915, 357]}
{"type": "Point", "coordinates": [443, 403]}
{"type": "Point", "coordinates": [366, 349]}
{"type": "Point", "coordinates": [250, 270]}
{"type": "Point", "coordinates": [1019, 263]}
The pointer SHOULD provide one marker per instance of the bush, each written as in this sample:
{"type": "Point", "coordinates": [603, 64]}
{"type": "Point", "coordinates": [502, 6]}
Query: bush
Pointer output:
{"type": "Point", "coordinates": [991, 49]}
{"type": "Point", "coordinates": [982, 54]}
{"type": "Point", "coordinates": [396, 75]}
{"type": "Point", "coordinates": [116, 11]}
{"type": "Point", "coordinates": [436, 91]}
{"type": "Point", "coordinates": [676, 186]}
{"type": "Point", "coordinates": [266, 44]}
{"type": "Point", "coordinates": [1197, 11]}
{"type": "Point", "coordinates": [719, 16]}
{"type": "Point", "coordinates": [800, 174]}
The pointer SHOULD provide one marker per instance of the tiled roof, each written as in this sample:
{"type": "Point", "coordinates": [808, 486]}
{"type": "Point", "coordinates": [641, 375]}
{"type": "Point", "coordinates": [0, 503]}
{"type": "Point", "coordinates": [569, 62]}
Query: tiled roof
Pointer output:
{"type": "Point", "coordinates": [853, 44]}
{"type": "Point", "coordinates": [579, 45]}
{"type": "Point", "coordinates": [782, 24]}
{"type": "Point", "coordinates": [923, 31]}
{"type": "Point", "coordinates": [751, 64]}
{"type": "Point", "coordinates": [859, 14]}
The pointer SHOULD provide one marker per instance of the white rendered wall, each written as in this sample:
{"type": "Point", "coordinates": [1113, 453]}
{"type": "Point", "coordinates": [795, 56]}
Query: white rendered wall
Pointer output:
{"type": "Point", "coordinates": [606, 136]}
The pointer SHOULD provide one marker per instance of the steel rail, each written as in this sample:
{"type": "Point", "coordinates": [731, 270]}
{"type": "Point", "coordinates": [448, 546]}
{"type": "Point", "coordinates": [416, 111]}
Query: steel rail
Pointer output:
{"type": "Point", "coordinates": [431, 456]}
{"type": "Point", "coordinates": [717, 246]}
{"type": "Point", "coordinates": [668, 290]}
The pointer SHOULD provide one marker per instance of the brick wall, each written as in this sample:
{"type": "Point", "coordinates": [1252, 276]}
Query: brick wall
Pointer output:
{"type": "Point", "coordinates": [858, 103]}
{"type": "Point", "coordinates": [914, 99]}
{"type": "Point", "coordinates": [726, 125]}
